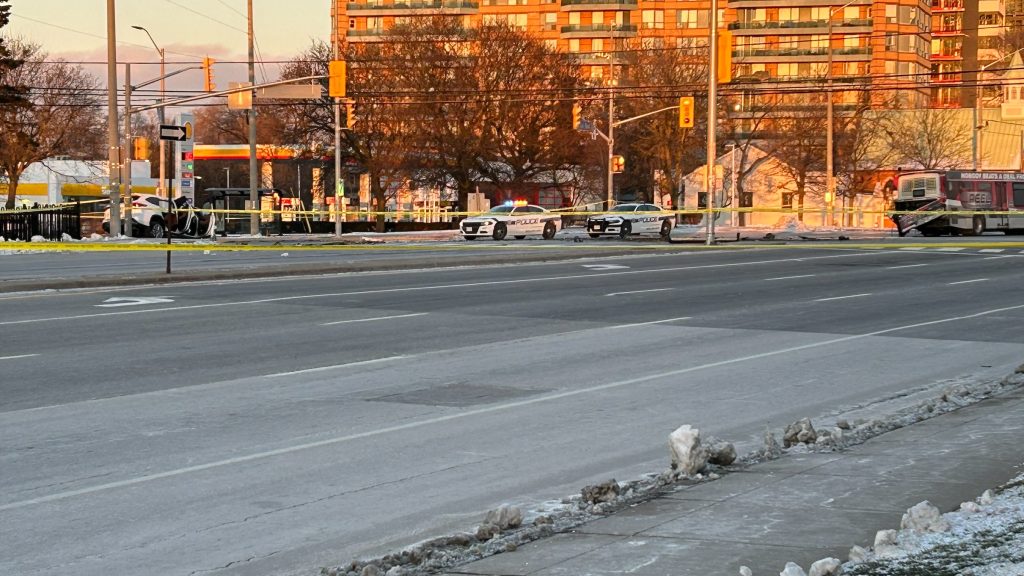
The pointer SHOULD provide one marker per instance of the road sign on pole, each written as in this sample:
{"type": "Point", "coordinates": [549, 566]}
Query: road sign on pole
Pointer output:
{"type": "Point", "coordinates": [176, 133]}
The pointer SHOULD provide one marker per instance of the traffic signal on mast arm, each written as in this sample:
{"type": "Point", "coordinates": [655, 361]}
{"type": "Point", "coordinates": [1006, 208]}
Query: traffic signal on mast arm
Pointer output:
{"type": "Point", "coordinates": [724, 72]}
{"type": "Point", "coordinates": [141, 148]}
{"type": "Point", "coordinates": [686, 111]}
{"type": "Point", "coordinates": [577, 113]}
{"type": "Point", "coordinates": [336, 79]}
{"type": "Point", "coordinates": [208, 84]}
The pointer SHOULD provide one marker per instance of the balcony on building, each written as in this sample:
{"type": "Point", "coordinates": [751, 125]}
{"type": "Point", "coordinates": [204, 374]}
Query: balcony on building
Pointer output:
{"type": "Point", "coordinates": [793, 27]}
{"type": "Point", "coordinates": [410, 7]}
{"type": "Point", "coordinates": [599, 31]}
{"type": "Point", "coordinates": [582, 5]}
{"type": "Point", "coordinates": [600, 58]}
{"type": "Point", "coordinates": [757, 55]}
{"type": "Point", "coordinates": [947, 6]}
{"type": "Point", "coordinates": [368, 35]}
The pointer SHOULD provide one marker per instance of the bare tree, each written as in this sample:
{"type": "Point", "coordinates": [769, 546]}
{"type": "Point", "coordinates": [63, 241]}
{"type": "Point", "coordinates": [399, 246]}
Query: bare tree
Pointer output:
{"type": "Point", "coordinates": [930, 138]}
{"type": "Point", "coordinates": [798, 143]}
{"type": "Point", "coordinates": [657, 77]}
{"type": "Point", "coordinates": [62, 111]}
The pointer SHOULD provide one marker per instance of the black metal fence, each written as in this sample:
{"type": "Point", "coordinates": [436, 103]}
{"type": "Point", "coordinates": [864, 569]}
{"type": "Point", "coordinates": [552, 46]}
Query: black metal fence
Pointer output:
{"type": "Point", "coordinates": [49, 222]}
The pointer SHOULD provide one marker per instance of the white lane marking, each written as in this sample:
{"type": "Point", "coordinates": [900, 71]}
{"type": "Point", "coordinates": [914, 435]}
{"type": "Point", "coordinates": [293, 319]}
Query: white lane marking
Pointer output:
{"type": "Point", "coordinates": [432, 287]}
{"type": "Point", "coordinates": [604, 266]}
{"type": "Point", "coordinates": [325, 368]}
{"type": "Point", "coordinates": [648, 323]}
{"type": "Point", "coordinates": [967, 281]}
{"type": "Point", "coordinates": [905, 266]}
{"type": "Point", "coordinates": [949, 249]}
{"type": "Point", "coordinates": [991, 250]}
{"type": "Point", "coordinates": [374, 319]}
{"type": "Point", "coordinates": [477, 412]}
{"type": "Point", "coordinates": [788, 277]}
{"type": "Point", "coordinates": [18, 356]}
{"type": "Point", "coordinates": [913, 248]}
{"type": "Point", "coordinates": [638, 291]}
{"type": "Point", "coordinates": [842, 297]}
{"type": "Point", "coordinates": [134, 301]}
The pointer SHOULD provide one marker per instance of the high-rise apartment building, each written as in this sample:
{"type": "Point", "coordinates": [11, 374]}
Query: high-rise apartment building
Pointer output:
{"type": "Point", "coordinates": [965, 39]}
{"type": "Point", "coordinates": [876, 41]}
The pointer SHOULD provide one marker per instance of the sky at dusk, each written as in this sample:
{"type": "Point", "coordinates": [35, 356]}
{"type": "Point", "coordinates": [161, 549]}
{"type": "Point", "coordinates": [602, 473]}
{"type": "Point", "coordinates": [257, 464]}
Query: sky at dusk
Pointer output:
{"type": "Point", "coordinates": [188, 30]}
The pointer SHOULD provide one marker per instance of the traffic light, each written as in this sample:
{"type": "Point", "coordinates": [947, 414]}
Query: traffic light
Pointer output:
{"type": "Point", "coordinates": [618, 164]}
{"type": "Point", "coordinates": [577, 112]}
{"type": "Point", "coordinates": [141, 149]}
{"type": "Point", "coordinates": [336, 79]}
{"type": "Point", "coordinates": [208, 84]}
{"type": "Point", "coordinates": [686, 111]}
{"type": "Point", "coordinates": [724, 72]}
{"type": "Point", "coordinates": [350, 114]}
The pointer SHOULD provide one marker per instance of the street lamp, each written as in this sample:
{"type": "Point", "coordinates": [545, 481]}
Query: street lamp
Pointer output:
{"type": "Point", "coordinates": [160, 114]}
{"type": "Point", "coordinates": [830, 183]}
{"type": "Point", "coordinates": [976, 144]}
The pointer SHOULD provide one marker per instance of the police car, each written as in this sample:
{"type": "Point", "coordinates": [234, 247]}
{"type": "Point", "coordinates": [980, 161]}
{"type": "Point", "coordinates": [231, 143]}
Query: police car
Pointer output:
{"type": "Point", "coordinates": [516, 219]}
{"type": "Point", "coordinates": [626, 219]}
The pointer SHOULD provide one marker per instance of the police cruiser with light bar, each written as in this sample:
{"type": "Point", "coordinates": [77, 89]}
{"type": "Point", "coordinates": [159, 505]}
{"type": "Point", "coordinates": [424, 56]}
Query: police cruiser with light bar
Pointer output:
{"type": "Point", "coordinates": [512, 218]}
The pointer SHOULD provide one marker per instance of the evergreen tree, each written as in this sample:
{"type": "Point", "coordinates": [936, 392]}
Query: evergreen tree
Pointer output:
{"type": "Point", "coordinates": [9, 94]}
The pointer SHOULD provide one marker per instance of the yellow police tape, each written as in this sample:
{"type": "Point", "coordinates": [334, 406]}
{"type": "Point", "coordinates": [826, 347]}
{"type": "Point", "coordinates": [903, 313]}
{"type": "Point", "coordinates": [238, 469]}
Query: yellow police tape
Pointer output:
{"type": "Point", "coordinates": [156, 246]}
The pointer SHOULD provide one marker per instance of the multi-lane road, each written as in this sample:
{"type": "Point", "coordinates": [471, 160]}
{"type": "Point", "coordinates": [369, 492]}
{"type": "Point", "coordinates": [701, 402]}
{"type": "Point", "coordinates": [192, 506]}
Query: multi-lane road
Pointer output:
{"type": "Point", "coordinates": [275, 426]}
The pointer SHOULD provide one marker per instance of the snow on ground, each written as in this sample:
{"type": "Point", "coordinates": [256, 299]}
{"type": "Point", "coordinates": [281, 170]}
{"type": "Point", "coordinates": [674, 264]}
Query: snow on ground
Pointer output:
{"type": "Point", "coordinates": [985, 538]}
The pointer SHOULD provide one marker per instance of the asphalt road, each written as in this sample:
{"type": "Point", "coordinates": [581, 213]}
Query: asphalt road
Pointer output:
{"type": "Point", "coordinates": [276, 426]}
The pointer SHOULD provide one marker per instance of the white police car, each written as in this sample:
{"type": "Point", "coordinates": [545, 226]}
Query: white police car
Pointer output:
{"type": "Point", "coordinates": [518, 220]}
{"type": "Point", "coordinates": [626, 219]}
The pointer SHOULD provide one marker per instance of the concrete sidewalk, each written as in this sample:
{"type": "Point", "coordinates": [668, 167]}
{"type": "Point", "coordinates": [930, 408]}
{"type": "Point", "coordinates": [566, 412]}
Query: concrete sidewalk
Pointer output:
{"type": "Point", "coordinates": [800, 508]}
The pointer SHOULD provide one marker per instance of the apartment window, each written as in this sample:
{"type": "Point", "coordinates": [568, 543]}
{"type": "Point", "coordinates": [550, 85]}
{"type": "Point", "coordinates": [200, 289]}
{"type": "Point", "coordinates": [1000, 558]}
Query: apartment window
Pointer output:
{"type": "Point", "coordinates": [551, 45]}
{"type": "Point", "coordinates": [653, 19]}
{"type": "Point", "coordinates": [752, 15]}
{"type": "Point", "coordinates": [597, 45]}
{"type": "Point", "coordinates": [574, 45]}
{"type": "Point", "coordinates": [787, 199]}
{"type": "Point", "coordinates": [550, 21]}
{"type": "Point", "coordinates": [518, 20]}
{"type": "Point", "coordinates": [686, 18]}
{"type": "Point", "coordinates": [597, 17]}
{"type": "Point", "coordinates": [908, 15]}
{"type": "Point", "coordinates": [890, 13]}
{"type": "Point", "coordinates": [574, 18]}
{"type": "Point", "coordinates": [596, 74]}
{"type": "Point", "coordinates": [721, 18]}
{"type": "Point", "coordinates": [858, 41]}
{"type": "Point", "coordinates": [890, 41]}
{"type": "Point", "coordinates": [374, 23]}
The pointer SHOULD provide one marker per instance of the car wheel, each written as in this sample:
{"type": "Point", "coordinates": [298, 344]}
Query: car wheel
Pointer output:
{"type": "Point", "coordinates": [500, 231]}
{"type": "Point", "coordinates": [978, 226]}
{"type": "Point", "coordinates": [666, 229]}
{"type": "Point", "coordinates": [549, 231]}
{"type": "Point", "coordinates": [519, 237]}
{"type": "Point", "coordinates": [592, 235]}
{"type": "Point", "coordinates": [156, 228]}
{"type": "Point", "coordinates": [626, 229]}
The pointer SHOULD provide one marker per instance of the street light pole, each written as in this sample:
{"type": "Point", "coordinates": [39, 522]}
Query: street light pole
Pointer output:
{"type": "Point", "coordinates": [709, 172]}
{"type": "Point", "coordinates": [339, 197]}
{"type": "Point", "coordinates": [162, 188]}
{"type": "Point", "coordinates": [611, 140]}
{"type": "Point", "coordinates": [254, 198]}
{"type": "Point", "coordinates": [126, 162]}
{"type": "Point", "coordinates": [830, 181]}
{"type": "Point", "coordinates": [979, 156]}
{"type": "Point", "coordinates": [113, 155]}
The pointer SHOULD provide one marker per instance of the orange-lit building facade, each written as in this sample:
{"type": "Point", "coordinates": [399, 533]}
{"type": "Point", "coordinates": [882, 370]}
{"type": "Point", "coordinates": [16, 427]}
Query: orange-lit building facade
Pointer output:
{"type": "Point", "coordinates": [773, 39]}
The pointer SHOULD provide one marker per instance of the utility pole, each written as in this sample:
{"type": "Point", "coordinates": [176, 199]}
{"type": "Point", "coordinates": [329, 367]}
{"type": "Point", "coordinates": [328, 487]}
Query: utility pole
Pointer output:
{"type": "Point", "coordinates": [709, 173]}
{"type": "Point", "coordinates": [254, 198]}
{"type": "Point", "coordinates": [611, 139]}
{"type": "Point", "coordinates": [113, 156]}
{"type": "Point", "coordinates": [126, 163]}
{"type": "Point", "coordinates": [339, 196]}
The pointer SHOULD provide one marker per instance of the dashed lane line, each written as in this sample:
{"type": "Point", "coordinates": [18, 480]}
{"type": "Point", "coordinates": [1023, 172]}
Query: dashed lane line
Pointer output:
{"type": "Point", "coordinates": [374, 319]}
{"type": "Point", "coordinates": [843, 297]}
{"type": "Point", "coordinates": [967, 281]}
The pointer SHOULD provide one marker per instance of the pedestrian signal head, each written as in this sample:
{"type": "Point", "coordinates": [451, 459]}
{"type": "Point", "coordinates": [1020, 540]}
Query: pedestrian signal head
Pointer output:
{"type": "Point", "coordinates": [686, 112]}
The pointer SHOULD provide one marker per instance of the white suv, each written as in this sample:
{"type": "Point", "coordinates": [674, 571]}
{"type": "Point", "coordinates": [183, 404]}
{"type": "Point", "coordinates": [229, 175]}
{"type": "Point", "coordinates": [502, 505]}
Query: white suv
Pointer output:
{"type": "Point", "coordinates": [147, 216]}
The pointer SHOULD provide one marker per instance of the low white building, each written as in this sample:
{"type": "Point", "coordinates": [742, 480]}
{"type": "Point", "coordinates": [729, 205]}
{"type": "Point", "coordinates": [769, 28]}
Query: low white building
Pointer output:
{"type": "Point", "coordinates": [57, 180]}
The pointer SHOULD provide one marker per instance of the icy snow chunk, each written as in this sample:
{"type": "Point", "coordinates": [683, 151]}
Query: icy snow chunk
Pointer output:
{"type": "Point", "coordinates": [505, 517]}
{"type": "Point", "coordinates": [687, 453]}
{"type": "Point", "coordinates": [859, 555]}
{"type": "Point", "coordinates": [720, 452]}
{"type": "Point", "coordinates": [826, 567]}
{"type": "Point", "coordinates": [744, 571]}
{"type": "Point", "coordinates": [792, 569]}
{"type": "Point", "coordinates": [924, 517]}
{"type": "Point", "coordinates": [799, 432]}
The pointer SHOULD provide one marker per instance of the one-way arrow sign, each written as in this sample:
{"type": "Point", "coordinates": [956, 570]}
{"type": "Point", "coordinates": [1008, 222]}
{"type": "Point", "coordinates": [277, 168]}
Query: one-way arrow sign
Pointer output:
{"type": "Point", "coordinates": [134, 301]}
{"type": "Point", "coordinates": [171, 132]}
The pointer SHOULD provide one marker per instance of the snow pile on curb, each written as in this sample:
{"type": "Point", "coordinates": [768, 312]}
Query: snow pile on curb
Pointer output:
{"type": "Point", "coordinates": [507, 528]}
